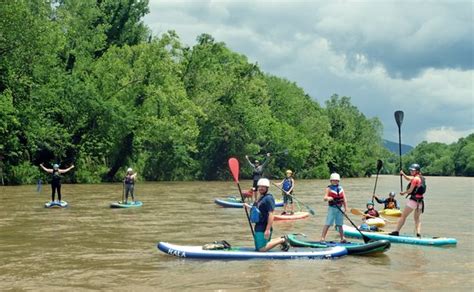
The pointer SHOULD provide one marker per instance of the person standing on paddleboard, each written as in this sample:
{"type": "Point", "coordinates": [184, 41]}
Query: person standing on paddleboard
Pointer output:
{"type": "Point", "coordinates": [336, 199]}
{"type": "Point", "coordinates": [288, 184]}
{"type": "Point", "coordinates": [389, 203]}
{"type": "Point", "coordinates": [257, 172]}
{"type": "Point", "coordinates": [416, 190]}
{"type": "Point", "coordinates": [263, 228]}
{"type": "Point", "coordinates": [56, 179]}
{"type": "Point", "coordinates": [129, 182]}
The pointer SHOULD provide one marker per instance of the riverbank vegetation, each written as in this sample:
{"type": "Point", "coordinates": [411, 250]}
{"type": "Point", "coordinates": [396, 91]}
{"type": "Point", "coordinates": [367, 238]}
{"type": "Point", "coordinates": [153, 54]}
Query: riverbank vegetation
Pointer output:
{"type": "Point", "coordinates": [85, 83]}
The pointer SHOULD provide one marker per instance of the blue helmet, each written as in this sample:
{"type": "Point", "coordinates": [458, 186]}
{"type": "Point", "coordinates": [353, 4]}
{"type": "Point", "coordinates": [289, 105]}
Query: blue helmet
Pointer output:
{"type": "Point", "coordinates": [370, 203]}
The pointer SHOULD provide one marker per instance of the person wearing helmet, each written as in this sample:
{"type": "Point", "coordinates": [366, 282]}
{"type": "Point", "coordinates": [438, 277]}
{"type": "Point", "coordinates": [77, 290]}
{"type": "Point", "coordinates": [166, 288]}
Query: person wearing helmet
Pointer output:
{"type": "Point", "coordinates": [56, 179]}
{"type": "Point", "coordinates": [371, 212]}
{"type": "Point", "coordinates": [263, 228]}
{"type": "Point", "coordinates": [390, 202]}
{"type": "Point", "coordinates": [257, 171]}
{"type": "Point", "coordinates": [336, 199]}
{"type": "Point", "coordinates": [416, 190]}
{"type": "Point", "coordinates": [288, 184]}
{"type": "Point", "coordinates": [129, 184]}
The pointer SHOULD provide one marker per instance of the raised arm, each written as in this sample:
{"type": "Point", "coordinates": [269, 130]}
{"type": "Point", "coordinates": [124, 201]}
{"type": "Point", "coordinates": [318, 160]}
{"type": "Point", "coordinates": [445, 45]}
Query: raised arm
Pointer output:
{"type": "Point", "coordinates": [48, 170]}
{"type": "Point", "coordinates": [66, 170]}
{"type": "Point", "coordinates": [267, 160]}
{"type": "Point", "coordinates": [248, 160]}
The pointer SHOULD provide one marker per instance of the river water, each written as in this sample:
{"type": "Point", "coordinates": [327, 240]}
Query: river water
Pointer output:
{"type": "Point", "coordinates": [90, 246]}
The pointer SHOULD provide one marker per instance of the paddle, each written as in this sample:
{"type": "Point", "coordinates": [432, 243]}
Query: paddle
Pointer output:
{"type": "Point", "coordinates": [399, 120]}
{"type": "Point", "coordinates": [364, 237]}
{"type": "Point", "coordinates": [123, 193]}
{"type": "Point", "coordinates": [359, 212]}
{"type": "Point", "coordinates": [39, 186]}
{"type": "Point", "coordinates": [379, 167]}
{"type": "Point", "coordinates": [310, 210]}
{"type": "Point", "coordinates": [234, 169]}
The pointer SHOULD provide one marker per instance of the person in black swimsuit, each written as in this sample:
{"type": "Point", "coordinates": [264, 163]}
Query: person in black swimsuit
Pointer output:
{"type": "Point", "coordinates": [56, 179]}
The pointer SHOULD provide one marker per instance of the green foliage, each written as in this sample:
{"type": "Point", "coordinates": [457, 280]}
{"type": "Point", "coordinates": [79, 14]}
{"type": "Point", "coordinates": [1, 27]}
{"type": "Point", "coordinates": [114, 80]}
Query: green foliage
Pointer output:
{"type": "Point", "coordinates": [81, 82]}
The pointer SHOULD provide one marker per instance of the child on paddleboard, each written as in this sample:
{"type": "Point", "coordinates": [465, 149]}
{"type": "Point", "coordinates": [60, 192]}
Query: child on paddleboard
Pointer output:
{"type": "Point", "coordinates": [288, 184]}
{"type": "Point", "coordinates": [336, 199]}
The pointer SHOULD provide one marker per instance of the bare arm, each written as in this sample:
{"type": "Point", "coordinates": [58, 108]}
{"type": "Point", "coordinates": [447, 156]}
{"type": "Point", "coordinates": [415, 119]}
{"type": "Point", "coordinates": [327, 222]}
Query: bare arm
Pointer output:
{"type": "Point", "coordinates": [292, 185]}
{"type": "Point", "coordinates": [66, 170]}
{"type": "Point", "coordinates": [48, 170]}
{"type": "Point", "coordinates": [407, 177]}
{"type": "Point", "coordinates": [326, 196]}
{"type": "Point", "coordinates": [248, 160]}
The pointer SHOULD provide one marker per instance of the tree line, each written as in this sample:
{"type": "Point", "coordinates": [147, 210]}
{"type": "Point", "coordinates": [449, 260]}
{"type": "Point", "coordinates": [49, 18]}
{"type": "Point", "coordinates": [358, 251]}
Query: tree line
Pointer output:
{"type": "Point", "coordinates": [86, 83]}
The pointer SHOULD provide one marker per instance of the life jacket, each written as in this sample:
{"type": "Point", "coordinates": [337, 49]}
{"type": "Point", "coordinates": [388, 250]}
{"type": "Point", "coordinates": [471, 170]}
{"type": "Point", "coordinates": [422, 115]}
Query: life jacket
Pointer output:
{"type": "Point", "coordinates": [129, 180]}
{"type": "Point", "coordinates": [55, 177]}
{"type": "Point", "coordinates": [255, 214]}
{"type": "Point", "coordinates": [372, 212]}
{"type": "Point", "coordinates": [418, 192]}
{"type": "Point", "coordinates": [287, 184]}
{"type": "Point", "coordinates": [337, 193]}
{"type": "Point", "coordinates": [390, 203]}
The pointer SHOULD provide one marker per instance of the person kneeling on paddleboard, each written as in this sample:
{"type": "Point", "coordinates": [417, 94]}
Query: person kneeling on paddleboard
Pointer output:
{"type": "Point", "coordinates": [336, 199]}
{"type": "Point", "coordinates": [262, 216]}
{"type": "Point", "coordinates": [416, 190]}
{"type": "Point", "coordinates": [390, 202]}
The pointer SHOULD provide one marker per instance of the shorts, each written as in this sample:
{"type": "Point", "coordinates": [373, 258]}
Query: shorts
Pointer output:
{"type": "Point", "coordinates": [334, 216]}
{"type": "Point", "coordinates": [287, 199]}
{"type": "Point", "coordinates": [260, 240]}
{"type": "Point", "coordinates": [414, 204]}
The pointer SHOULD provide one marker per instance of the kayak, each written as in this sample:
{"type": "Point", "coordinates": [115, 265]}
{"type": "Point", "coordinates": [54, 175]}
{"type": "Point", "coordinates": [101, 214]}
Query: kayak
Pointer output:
{"type": "Point", "coordinates": [403, 238]}
{"type": "Point", "coordinates": [245, 253]}
{"type": "Point", "coordinates": [391, 212]}
{"type": "Point", "coordinates": [234, 202]}
{"type": "Point", "coordinates": [353, 248]}
{"type": "Point", "coordinates": [56, 204]}
{"type": "Point", "coordinates": [379, 222]}
{"type": "Point", "coordinates": [129, 204]}
{"type": "Point", "coordinates": [295, 216]}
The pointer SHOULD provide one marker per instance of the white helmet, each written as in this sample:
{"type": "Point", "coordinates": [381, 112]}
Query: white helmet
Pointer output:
{"type": "Point", "coordinates": [129, 170]}
{"type": "Point", "coordinates": [263, 182]}
{"type": "Point", "coordinates": [335, 176]}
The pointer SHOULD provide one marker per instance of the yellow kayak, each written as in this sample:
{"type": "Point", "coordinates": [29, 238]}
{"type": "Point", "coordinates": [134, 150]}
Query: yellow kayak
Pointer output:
{"type": "Point", "coordinates": [379, 222]}
{"type": "Point", "coordinates": [391, 212]}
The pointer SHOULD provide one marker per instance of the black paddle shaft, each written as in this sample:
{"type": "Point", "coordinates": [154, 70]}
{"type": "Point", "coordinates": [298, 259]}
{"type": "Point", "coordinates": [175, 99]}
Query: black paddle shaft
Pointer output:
{"type": "Point", "coordinates": [365, 238]}
{"type": "Point", "coordinates": [399, 120]}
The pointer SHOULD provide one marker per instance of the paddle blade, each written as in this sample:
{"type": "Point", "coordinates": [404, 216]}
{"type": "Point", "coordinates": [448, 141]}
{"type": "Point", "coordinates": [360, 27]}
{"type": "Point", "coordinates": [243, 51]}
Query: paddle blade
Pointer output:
{"type": "Point", "coordinates": [399, 118]}
{"type": "Point", "coordinates": [234, 168]}
{"type": "Point", "coordinates": [357, 212]}
{"type": "Point", "coordinates": [379, 165]}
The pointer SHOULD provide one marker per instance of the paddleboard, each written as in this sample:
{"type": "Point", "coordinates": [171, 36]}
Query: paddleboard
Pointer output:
{"type": "Point", "coordinates": [295, 216]}
{"type": "Point", "coordinates": [129, 204]}
{"type": "Point", "coordinates": [234, 202]}
{"type": "Point", "coordinates": [379, 222]}
{"type": "Point", "coordinates": [391, 212]}
{"type": "Point", "coordinates": [403, 238]}
{"type": "Point", "coordinates": [353, 248]}
{"type": "Point", "coordinates": [245, 253]}
{"type": "Point", "coordinates": [56, 204]}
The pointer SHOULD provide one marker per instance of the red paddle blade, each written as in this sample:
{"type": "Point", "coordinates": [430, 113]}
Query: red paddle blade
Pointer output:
{"type": "Point", "coordinates": [234, 168]}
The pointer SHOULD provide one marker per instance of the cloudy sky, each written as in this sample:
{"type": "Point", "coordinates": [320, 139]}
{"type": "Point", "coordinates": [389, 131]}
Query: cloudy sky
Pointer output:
{"type": "Point", "coordinates": [415, 56]}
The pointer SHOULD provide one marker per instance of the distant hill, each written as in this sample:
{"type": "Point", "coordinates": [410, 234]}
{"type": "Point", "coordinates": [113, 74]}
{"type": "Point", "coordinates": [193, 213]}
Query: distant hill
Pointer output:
{"type": "Point", "coordinates": [393, 147]}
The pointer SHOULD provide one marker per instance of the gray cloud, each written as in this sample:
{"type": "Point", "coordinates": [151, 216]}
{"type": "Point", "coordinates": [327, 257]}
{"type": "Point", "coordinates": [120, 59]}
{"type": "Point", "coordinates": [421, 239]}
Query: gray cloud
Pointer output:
{"type": "Point", "coordinates": [414, 56]}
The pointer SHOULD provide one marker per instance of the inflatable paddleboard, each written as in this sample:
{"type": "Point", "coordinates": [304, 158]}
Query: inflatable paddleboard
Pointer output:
{"type": "Point", "coordinates": [353, 248]}
{"type": "Point", "coordinates": [403, 238]}
{"type": "Point", "coordinates": [295, 216]}
{"type": "Point", "coordinates": [246, 253]}
{"type": "Point", "coordinates": [379, 222]}
{"type": "Point", "coordinates": [391, 212]}
{"type": "Point", "coordinates": [56, 204]}
{"type": "Point", "coordinates": [129, 204]}
{"type": "Point", "coordinates": [234, 202]}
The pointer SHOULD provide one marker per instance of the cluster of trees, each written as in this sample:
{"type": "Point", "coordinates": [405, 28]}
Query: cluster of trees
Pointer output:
{"type": "Point", "coordinates": [85, 83]}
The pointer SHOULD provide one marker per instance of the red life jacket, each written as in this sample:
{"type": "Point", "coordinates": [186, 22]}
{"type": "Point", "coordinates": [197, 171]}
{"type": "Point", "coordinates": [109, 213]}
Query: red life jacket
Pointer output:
{"type": "Point", "coordinates": [337, 193]}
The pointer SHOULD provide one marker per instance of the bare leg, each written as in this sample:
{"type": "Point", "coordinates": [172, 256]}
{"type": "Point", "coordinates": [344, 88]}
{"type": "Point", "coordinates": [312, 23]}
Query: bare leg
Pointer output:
{"type": "Point", "coordinates": [272, 243]}
{"type": "Point", "coordinates": [403, 218]}
{"type": "Point", "coordinates": [325, 232]}
{"type": "Point", "coordinates": [341, 232]}
{"type": "Point", "coordinates": [417, 215]}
